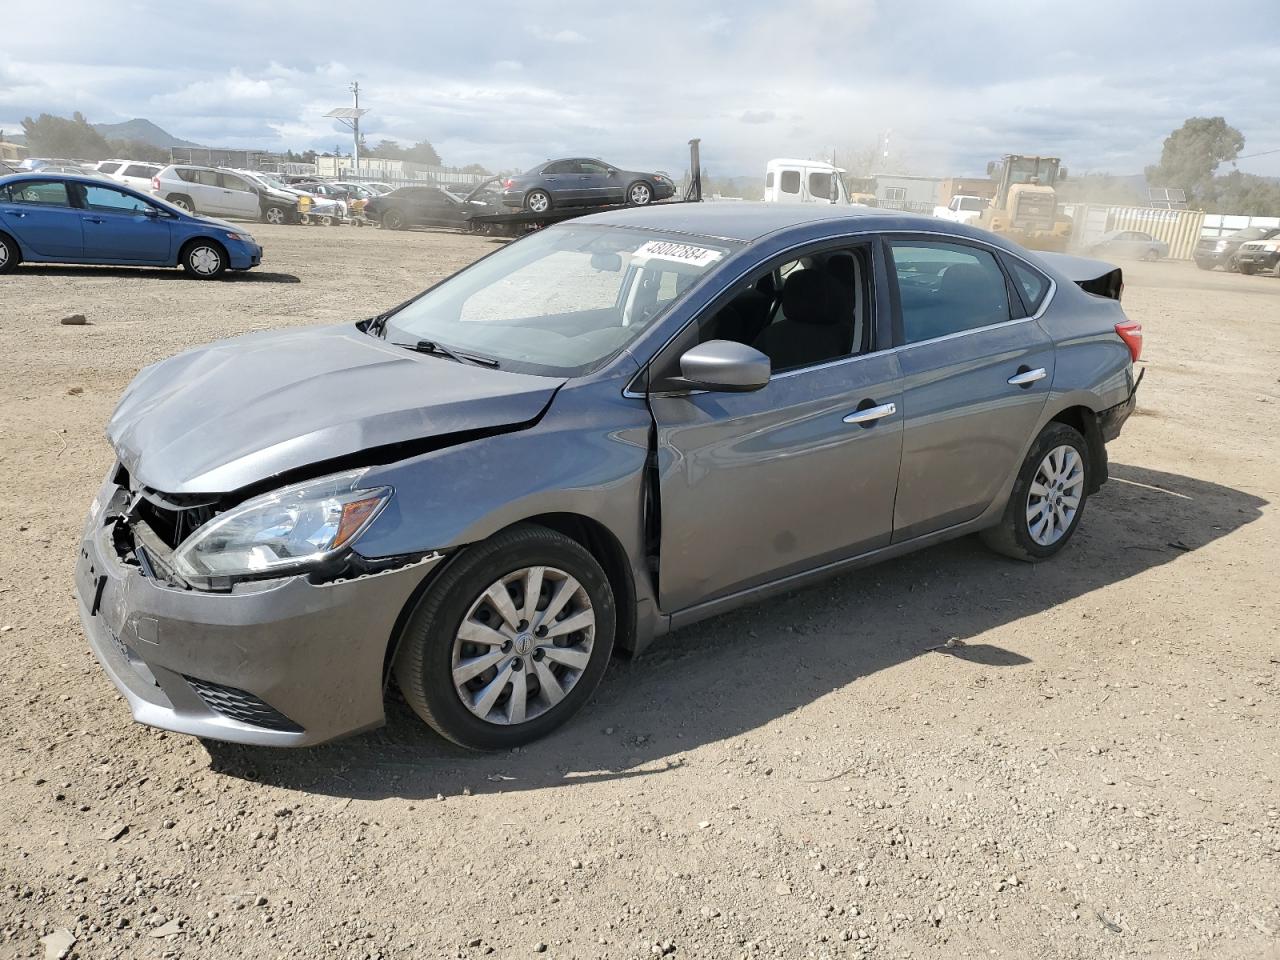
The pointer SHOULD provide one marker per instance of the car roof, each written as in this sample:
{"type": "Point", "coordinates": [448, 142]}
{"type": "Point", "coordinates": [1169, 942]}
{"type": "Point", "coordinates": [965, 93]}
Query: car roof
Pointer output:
{"type": "Point", "coordinates": [69, 177]}
{"type": "Point", "coordinates": [752, 220]}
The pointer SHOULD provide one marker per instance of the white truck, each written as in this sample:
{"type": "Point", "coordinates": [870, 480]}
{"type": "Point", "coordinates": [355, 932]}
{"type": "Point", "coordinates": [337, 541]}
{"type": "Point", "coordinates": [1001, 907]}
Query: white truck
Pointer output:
{"type": "Point", "coordinates": [803, 181]}
{"type": "Point", "coordinates": [961, 209]}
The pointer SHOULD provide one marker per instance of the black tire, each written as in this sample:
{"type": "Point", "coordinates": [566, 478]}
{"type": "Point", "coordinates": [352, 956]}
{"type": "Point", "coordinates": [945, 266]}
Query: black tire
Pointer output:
{"type": "Point", "coordinates": [393, 220]}
{"type": "Point", "coordinates": [639, 193]}
{"type": "Point", "coordinates": [1204, 266]}
{"type": "Point", "coordinates": [182, 201]}
{"type": "Point", "coordinates": [424, 662]}
{"type": "Point", "coordinates": [275, 214]}
{"type": "Point", "coordinates": [1248, 269]}
{"type": "Point", "coordinates": [538, 201]}
{"type": "Point", "coordinates": [10, 255]}
{"type": "Point", "coordinates": [1012, 535]}
{"type": "Point", "coordinates": [1232, 265]}
{"type": "Point", "coordinates": [204, 259]}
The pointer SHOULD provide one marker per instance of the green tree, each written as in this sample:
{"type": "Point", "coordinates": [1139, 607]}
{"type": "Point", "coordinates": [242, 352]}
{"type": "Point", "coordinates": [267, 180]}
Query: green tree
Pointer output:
{"type": "Point", "coordinates": [420, 152]}
{"type": "Point", "coordinates": [74, 139]}
{"type": "Point", "coordinates": [1245, 194]}
{"type": "Point", "coordinates": [1192, 154]}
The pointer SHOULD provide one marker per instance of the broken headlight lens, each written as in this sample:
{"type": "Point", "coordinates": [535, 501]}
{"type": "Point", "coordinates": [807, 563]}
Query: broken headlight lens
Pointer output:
{"type": "Point", "coordinates": [284, 531]}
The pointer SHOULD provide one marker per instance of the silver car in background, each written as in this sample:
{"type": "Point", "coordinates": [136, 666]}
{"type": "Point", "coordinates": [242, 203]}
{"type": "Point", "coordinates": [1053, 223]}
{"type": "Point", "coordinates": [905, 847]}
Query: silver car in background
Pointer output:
{"type": "Point", "coordinates": [602, 432]}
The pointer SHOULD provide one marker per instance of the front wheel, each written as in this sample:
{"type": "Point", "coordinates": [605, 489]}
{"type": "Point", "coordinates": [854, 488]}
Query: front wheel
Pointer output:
{"type": "Point", "coordinates": [1232, 265]}
{"type": "Point", "coordinates": [1048, 497]}
{"type": "Point", "coordinates": [1248, 269]}
{"type": "Point", "coordinates": [204, 260]}
{"type": "Point", "coordinates": [511, 640]}
{"type": "Point", "coordinates": [393, 220]}
{"type": "Point", "coordinates": [639, 194]}
{"type": "Point", "coordinates": [275, 215]}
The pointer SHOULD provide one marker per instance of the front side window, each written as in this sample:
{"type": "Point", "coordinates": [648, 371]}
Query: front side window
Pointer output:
{"type": "Point", "coordinates": [140, 171]}
{"type": "Point", "coordinates": [947, 288]}
{"type": "Point", "coordinates": [235, 183]}
{"type": "Point", "coordinates": [593, 167]}
{"type": "Point", "coordinates": [45, 193]}
{"type": "Point", "coordinates": [108, 167]}
{"type": "Point", "coordinates": [113, 201]}
{"type": "Point", "coordinates": [561, 301]}
{"type": "Point", "coordinates": [790, 181]}
{"type": "Point", "coordinates": [820, 185]}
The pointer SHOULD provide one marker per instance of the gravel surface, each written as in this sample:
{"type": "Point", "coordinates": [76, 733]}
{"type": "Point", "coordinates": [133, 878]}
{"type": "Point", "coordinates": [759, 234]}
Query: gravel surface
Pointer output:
{"type": "Point", "coordinates": [1089, 772]}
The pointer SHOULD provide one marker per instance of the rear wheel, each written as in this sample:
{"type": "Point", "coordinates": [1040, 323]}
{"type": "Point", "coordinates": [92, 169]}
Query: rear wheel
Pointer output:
{"type": "Point", "coordinates": [537, 201]}
{"type": "Point", "coordinates": [9, 254]}
{"type": "Point", "coordinates": [511, 640]}
{"type": "Point", "coordinates": [182, 202]}
{"type": "Point", "coordinates": [1048, 497]}
{"type": "Point", "coordinates": [204, 259]}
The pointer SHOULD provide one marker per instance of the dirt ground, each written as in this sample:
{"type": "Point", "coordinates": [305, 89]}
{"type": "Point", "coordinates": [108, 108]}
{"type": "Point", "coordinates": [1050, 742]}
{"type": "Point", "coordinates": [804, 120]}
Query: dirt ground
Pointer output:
{"type": "Point", "coordinates": [1093, 775]}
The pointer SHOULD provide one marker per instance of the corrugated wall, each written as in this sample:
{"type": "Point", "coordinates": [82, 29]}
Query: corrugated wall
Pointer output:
{"type": "Point", "coordinates": [1180, 229]}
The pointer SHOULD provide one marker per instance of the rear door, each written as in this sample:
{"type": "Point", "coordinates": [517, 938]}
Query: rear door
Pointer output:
{"type": "Point", "coordinates": [39, 213]}
{"type": "Point", "coordinates": [205, 189]}
{"type": "Point", "coordinates": [117, 227]}
{"type": "Point", "coordinates": [756, 486]}
{"type": "Point", "coordinates": [976, 374]}
{"type": "Point", "coordinates": [563, 180]}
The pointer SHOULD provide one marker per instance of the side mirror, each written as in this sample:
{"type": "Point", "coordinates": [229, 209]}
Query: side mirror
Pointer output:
{"type": "Point", "coordinates": [151, 212]}
{"type": "Point", "coordinates": [725, 366]}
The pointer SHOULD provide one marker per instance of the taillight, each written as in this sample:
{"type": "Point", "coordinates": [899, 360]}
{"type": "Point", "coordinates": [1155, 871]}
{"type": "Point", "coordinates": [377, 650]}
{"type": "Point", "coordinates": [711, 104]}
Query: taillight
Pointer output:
{"type": "Point", "coordinates": [1131, 333]}
{"type": "Point", "coordinates": [155, 183]}
{"type": "Point", "coordinates": [508, 184]}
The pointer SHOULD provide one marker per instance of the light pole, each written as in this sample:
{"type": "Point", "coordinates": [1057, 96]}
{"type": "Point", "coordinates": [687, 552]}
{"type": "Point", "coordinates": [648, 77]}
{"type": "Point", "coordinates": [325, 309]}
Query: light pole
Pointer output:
{"type": "Point", "coordinates": [351, 117]}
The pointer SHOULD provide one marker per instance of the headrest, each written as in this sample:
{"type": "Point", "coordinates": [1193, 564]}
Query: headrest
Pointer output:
{"type": "Point", "coordinates": [807, 298]}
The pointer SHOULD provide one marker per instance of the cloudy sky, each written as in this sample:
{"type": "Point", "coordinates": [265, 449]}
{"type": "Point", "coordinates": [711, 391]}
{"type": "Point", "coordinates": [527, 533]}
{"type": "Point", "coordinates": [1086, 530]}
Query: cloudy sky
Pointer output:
{"type": "Point", "coordinates": [508, 84]}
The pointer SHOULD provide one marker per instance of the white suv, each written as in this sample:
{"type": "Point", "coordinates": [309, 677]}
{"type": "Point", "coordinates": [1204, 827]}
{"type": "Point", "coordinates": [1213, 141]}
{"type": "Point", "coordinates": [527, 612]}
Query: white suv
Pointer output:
{"type": "Point", "coordinates": [208, 190]}
{"type": "Point", "coordinates": [130, 173]}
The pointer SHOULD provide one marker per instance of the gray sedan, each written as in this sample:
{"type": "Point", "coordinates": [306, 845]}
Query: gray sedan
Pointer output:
{"type": "Point", "coordinates": [1129, 244]}
{"type": "Point", "coordinates": [605, 431]}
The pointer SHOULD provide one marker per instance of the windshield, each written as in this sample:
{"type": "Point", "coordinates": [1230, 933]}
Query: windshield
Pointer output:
{"type": "Point", "coordinates": [1253, 233]}
{"type": "Point", "coordinates": [1026, 169]}
{"type": "Point", "coordinates": [562, 300]}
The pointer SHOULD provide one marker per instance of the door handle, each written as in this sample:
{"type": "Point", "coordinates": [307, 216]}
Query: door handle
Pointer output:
{"type": "Point", "coordinates": [871, 414]}
{"type": "Point", "coordinates": [15, 213]}
{"type": "Point", "coordinates": [93, 219]}
{"type": "Point", "coordinates": [1025, 376]}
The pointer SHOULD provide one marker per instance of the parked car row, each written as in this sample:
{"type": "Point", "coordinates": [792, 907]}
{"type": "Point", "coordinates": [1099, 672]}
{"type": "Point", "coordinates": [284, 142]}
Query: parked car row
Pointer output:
{"type": "Point", "coordinates": [1248, 251]}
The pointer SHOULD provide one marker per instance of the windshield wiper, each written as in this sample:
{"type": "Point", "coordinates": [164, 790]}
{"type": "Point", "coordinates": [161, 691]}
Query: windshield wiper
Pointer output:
{"type": "Point", "coordinates": [440, 350]}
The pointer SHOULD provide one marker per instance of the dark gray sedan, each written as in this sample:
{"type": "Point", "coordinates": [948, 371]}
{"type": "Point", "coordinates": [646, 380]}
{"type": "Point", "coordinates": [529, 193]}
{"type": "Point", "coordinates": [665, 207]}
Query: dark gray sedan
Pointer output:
{"type": "Point", "coordinates": [583, 182]}
{"type": "Point", "coordinates": [610, 429]}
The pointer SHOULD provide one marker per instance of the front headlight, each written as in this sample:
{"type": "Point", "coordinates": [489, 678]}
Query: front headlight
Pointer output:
{"type": "Point", "coordinates": [284, 531]}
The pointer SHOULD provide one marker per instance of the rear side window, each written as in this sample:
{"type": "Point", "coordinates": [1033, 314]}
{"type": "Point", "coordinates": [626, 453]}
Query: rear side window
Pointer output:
{"type": "Point", "coordinates": [790, 181]}
{"type": "Point", "coordinates": [208, 178]}
{"type": "Point", "coordinates": [42, 193]}
{"type": "Point", "coordinates": [768, 179]}
{"type": "Point", "coordinates": [1033, 284]}
{"type": "Point", "coordinates": [948, 288]}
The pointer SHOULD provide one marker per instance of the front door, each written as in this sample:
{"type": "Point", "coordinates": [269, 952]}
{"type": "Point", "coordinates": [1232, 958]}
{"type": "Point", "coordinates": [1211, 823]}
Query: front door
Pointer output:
{"type": "Point", "coordinates": [976, 373]}
{"type": "Point", "coordinates": [39, 213]}
{"type": "Point", "coordinates": [597, 185]}
{"type": "Point", "coordinates": [240, 197]}
{"type": "Point", "coordinates": [756, 486]}
{"type": "Point", "coordinates": [117, 226]}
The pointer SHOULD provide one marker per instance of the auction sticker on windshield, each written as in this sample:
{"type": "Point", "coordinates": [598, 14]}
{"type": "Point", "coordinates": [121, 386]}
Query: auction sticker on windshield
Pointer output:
{"type": "Point", "coordinates": [679, 252]}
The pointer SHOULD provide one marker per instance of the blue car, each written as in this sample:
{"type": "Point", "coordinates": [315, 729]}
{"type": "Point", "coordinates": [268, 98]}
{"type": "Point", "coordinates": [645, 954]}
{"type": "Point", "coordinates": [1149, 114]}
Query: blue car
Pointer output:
{"type": "Point", "coordinates": [47, 218]}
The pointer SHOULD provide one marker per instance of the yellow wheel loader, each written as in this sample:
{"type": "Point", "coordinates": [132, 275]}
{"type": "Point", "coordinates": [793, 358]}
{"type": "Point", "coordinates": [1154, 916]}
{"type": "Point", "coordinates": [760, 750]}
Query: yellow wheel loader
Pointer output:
{"type": "Point", "coordinates": [1025, 207]}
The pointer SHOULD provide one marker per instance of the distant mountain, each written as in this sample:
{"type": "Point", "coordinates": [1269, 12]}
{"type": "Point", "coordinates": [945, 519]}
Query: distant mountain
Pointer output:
{"type": "Point", "coordinates": [143, 131]}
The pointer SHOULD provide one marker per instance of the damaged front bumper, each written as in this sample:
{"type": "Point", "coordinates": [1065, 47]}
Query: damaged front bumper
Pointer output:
{"type": "Point", "coordinates": [286, 662]}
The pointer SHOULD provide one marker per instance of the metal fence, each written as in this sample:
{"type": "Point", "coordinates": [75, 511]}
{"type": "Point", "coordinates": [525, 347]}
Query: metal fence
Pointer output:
{"type": "Point", "coordinates": [907, 206]}
{"type": "Point", "coordinates": [1218, 225]}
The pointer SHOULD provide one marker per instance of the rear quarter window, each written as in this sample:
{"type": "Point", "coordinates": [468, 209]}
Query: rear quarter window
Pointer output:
{"type": "Point", "coordinates": [1032, 284]}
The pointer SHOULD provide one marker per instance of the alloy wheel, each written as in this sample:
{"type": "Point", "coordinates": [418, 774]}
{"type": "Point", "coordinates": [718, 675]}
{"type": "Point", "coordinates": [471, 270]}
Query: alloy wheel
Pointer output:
{"type": "Point", "coordinates": [4, 254]}
{"type": "Point", "coordinates": [275, 215]}
{"type": "Point", "coordinates": [205, 261]}
{"type": "Point", "coordinates": [523, 645]}
{"type": "Point", "coordinates": [539, 202]}
{"type": "Point", "coordinates": [1054, 497]}
{"type": "Point", "coordinates": [640, 194]}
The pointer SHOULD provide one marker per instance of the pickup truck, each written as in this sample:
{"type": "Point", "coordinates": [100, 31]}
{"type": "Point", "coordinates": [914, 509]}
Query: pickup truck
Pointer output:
{"type": "Point", "coordinates": [961, 209]}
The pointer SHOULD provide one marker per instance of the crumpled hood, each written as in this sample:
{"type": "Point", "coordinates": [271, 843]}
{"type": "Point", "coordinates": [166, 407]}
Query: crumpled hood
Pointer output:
{"type": "Point", "coordinates": [218, 418]}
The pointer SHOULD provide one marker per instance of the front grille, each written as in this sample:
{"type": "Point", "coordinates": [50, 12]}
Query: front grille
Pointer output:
{"type": "Point", "coordinates": [242, 706]}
